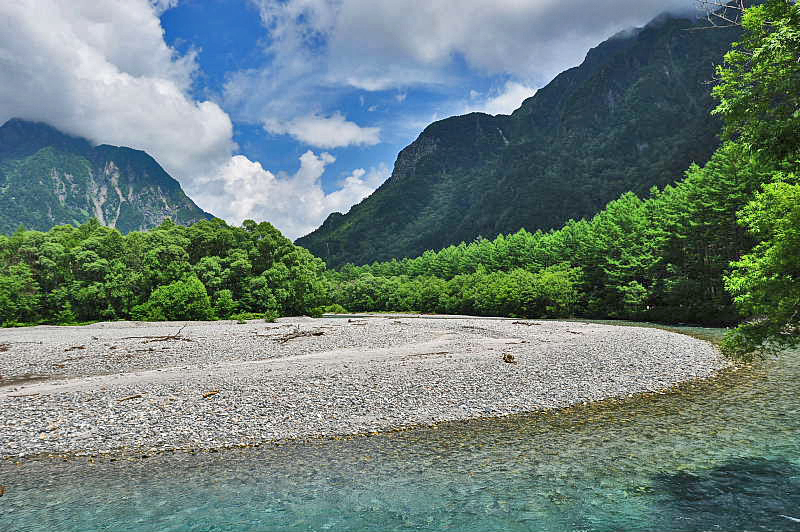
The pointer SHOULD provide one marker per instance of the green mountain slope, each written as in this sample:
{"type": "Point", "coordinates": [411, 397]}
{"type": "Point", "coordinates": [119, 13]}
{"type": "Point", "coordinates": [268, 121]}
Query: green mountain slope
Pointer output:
{"type": "Point", "coordinates": [48, 178]}
{"type": "Point", "coordinates": [635, 114]}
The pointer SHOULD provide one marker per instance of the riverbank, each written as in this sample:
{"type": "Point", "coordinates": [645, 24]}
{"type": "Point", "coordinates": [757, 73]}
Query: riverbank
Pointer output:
{"type": "Point", "coordinates": [143, 387]}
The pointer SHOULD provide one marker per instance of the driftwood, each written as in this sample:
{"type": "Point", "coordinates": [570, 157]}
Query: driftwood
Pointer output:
{"type": "Point", "coordinates": [297, 334]}
{"type": "Point", "coordinates": [423, 355]}
{"type": "Point", "coordinates": [137, 396]}
{"type": "Point", "coordinates": [474, 328]}
{"type": "Point", "coordinates": [210, 394]}
{"type": "Point", "coordinates": [2, 490]}
{"type": "Point", "coordinates": [74, 348]}
{"type": "Point", "coordinates": [170, 337]}
{"type": "Point", "coordinates": [528, 323]}
{"type": "Point", "coordinates": [4, 348]}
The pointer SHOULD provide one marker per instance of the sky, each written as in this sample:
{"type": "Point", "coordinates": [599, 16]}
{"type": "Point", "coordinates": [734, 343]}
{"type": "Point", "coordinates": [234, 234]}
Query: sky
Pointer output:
{"type": "Point", "coordinates": [287, 110]}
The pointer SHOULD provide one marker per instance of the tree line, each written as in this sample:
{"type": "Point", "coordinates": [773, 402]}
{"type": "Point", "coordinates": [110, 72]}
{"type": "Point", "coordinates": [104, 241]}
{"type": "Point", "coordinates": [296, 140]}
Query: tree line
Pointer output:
{"type": "Point", "coordinates": [206, 271]}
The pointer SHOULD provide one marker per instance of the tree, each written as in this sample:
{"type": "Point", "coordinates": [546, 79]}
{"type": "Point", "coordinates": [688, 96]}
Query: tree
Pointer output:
{"type": "Point", "coordinates": [760, 101]}
{"type": "Point", "coordinates": [723, 14]}
{"type": "Point", "coordinates": [759, 88]}
{"type": "Point", "coordinates": [19, 295]}
{"type": "Point", "coordinates": [766, 282]}
{"type": "Point", "coordinates": [181, 300]}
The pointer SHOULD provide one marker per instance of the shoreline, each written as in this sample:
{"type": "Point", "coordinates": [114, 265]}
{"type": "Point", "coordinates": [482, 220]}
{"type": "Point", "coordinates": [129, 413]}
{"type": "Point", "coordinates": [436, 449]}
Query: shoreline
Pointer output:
{"type": "Point", "coordinates": [124, 388]}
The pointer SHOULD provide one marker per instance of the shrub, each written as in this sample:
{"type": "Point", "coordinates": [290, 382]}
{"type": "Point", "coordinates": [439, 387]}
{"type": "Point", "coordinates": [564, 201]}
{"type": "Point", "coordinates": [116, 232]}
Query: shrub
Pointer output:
{"type": "Point", "coordinates": [224, 304]}
{"type": "Point", "coordinates": [336, 308]}
{"type": "Point", "coordinates": [181, 300]}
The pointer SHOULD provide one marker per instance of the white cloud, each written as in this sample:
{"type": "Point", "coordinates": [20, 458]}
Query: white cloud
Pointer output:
{"type": "Point", "coordinates": [318, 50]}
{"type": "Point", "coordinates": [503, 102]}
{"type": "Point", "coordinates": [162, 5]}
{"type": "Point", "coordinates": [334, 131]}
{"type": "Point", "coordinates": [383, 44]}
{"type": "Point", "coordinates": [295, 203]}
{"type": "Point", "coordinates": [103, 71]}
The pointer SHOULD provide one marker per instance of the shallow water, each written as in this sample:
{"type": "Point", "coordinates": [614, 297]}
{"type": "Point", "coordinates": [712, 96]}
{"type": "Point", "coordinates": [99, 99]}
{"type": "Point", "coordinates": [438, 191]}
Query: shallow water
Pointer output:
{"type": "Point", "coordinates": [720, 455]}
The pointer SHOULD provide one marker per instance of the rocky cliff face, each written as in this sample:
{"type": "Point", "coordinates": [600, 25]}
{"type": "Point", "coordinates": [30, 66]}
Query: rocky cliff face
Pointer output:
{"type": "Point", "coordinates": [48, 178]}
{"type": "Point", "coordinates": [634, 115]}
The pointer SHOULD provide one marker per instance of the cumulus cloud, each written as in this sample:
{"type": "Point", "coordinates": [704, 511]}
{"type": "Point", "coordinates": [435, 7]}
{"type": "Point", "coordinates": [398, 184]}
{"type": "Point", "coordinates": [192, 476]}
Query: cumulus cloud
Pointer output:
{"type": "Point", "coordinates": [295, 203]}
{"type": "Point", "coordinates": [102, 70]}
{"type": "Point", "coordinates": [334, 131]}
{"type": "Point", "coordinates": [381, 44]}
{"type": "Point", "coordinates": [503, 102]}
{"type": "Point", "coordinates": [162, 5]}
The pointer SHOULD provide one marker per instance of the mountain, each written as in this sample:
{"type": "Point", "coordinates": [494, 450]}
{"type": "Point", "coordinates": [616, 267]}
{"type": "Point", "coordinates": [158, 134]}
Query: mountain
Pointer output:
{"type": "Point", "coordinates": [48, 178]}
{"type": "Point", "coordinates": [633, 115]}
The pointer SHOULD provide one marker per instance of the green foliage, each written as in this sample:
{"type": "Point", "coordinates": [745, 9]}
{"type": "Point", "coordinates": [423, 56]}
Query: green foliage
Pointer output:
{"type": "Point", "coordinates": [186, 299]}
{"type": "Point", "coordinates": [759, 90]}
{"type": "Point", "coordinates": [662, 259]}
{"type": "Point", "coordinates": [19, 295]}
{"type": "Point", "coordinates": [552, 292]}
{"type": "Point", "coordinates": [332, 309]}
{"type": "Point", "coordinates": [766, 282]}
{"type": "Point", "coordinates": [208, 270]}
{"type": "Point", "coordinates": [759, 97]}
{"type": "Point", "coordinates": [224, 304]}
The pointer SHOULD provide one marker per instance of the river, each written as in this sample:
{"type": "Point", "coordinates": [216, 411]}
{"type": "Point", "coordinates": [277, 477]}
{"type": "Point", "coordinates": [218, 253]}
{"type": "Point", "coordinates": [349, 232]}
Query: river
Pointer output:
{"type": "Point", "coordinates": [718, 455]}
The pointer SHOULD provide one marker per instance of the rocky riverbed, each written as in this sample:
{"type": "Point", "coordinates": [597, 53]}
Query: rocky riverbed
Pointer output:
{"type": "Point", "coordinates": [143, 388]}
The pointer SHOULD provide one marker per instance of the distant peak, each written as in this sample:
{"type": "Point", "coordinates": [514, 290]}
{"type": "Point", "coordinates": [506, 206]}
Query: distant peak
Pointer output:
{"type": "Point", "coordinates": [19, 137]}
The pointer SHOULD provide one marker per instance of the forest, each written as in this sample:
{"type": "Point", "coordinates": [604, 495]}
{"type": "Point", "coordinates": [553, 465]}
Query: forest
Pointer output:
{"type": "Point", "coordinates": [206, 271]}
{"type": "Point", "coordinates": [719, 247]}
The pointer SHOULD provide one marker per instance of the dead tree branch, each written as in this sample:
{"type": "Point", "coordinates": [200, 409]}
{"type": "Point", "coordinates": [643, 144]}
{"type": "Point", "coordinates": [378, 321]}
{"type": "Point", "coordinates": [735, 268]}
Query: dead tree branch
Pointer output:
{"type": "Point", "coordinates": [174, 337]}
{"type": "Point", "coordinates": [723, 14]}
{"type": "Point", "coordinates": [298, 334]}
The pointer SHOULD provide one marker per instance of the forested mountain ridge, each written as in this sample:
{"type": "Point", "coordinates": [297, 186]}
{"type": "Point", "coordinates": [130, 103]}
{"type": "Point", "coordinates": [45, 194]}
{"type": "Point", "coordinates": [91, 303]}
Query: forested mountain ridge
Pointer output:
{"type": "Point", "coordinates": [48, 178]}
{"type": "Point", "coordinates": [634, 114]}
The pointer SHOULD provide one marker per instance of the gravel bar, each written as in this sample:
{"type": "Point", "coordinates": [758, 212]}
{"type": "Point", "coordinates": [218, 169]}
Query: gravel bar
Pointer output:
{"type": "Point", "coordinates": [142, 387]}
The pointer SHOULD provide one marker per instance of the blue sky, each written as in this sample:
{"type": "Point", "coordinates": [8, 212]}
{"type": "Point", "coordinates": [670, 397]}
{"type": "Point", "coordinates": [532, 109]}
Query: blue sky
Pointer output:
{"type": "Point", "coordinates": [230, 36]}
{"type": "Point", "coordinates": [287, 110]}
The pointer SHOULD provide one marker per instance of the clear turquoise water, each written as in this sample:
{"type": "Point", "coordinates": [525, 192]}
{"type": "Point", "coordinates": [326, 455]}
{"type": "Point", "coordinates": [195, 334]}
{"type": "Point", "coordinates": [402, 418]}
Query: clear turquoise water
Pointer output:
{"type": "Point", "coordinates": [722, 455]}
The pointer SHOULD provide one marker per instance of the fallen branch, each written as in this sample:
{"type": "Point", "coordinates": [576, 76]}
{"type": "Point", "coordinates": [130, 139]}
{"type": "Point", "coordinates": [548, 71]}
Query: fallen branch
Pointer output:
{"type": "Point", "coordinates": [527, 323]}
{"type": "Point", "coordinates": [74, 348]}
{"type": "Point", "coordinates": [210, 394]}
{"type": "Point", "coordinates": [170, 337]}
{"type": "Point", "coordinates": [422, 355]}
{"type": "Point", "coordinates": [299, 334]}
{"type": "Point", "coordinates": [137, 396]}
